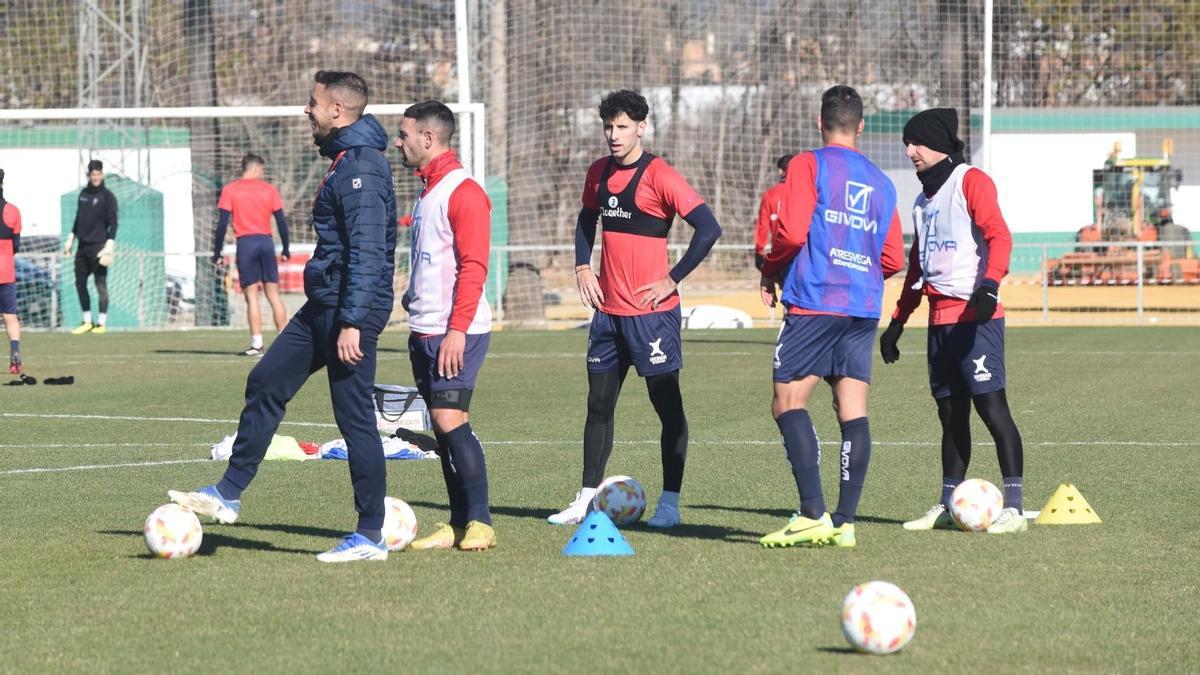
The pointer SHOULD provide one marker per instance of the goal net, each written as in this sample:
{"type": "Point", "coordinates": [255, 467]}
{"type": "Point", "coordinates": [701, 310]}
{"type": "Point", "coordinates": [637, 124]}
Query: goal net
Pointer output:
{"type": "Point", "coordinates": [1085, 114]}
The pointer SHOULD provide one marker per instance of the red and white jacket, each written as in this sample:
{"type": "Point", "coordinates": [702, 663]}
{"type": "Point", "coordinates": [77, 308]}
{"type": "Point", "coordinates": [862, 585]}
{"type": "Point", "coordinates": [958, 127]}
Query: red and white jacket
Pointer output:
{"type": "Point", "coordinates": [961, 239]}
{"type": "Point", "coordinates": [451, 234]}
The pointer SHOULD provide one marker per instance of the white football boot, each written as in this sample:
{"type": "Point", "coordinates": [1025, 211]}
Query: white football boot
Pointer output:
{"type": "Point", "coordinates": [1010, 520]}
{"type": "Point", "coordinates": [576, 511]}
{"type": "Point", "coordinates": [936, 518]}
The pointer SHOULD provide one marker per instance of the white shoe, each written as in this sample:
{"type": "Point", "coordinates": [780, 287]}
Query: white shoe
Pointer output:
{"type": "Point", "coordinates": [665, 516]}
{"type": "Point", "coordinates": [1010, 520]}
{"type": "Point", "coordinates": [936, 518]}
{"type": "Point", "coordinates": [353, 548]}
{"type": "Point", "coordinates": [576, 511]}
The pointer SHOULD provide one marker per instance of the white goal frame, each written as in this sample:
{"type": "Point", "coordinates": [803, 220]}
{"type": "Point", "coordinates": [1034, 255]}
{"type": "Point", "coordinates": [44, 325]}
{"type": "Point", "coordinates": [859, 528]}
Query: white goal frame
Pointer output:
{"type": "Point", "coordinates": [471, 138]}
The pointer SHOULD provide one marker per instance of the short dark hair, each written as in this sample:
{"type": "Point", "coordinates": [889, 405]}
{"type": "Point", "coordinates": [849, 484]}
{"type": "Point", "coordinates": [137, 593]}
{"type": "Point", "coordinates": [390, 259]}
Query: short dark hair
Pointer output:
{"type": "Point", "coordinates": [1, 176]}
{"type": "Point", "coordinates": [250, 159]}
{"type": "Point", "coordinates": [624, 101]}
{"type": "Point", "coordinates": [782, 162]}
{"type": "Point", "coordinates": [95, 165]}
{"type": "Point", "coordinates": [841, 108]}
{"type": "Point", "coordinates": [353, 88]}
{"type": "Point", "coordinates": [436, 114]}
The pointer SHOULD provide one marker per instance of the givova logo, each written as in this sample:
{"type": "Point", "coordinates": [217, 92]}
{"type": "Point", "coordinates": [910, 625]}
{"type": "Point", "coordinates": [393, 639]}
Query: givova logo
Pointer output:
{"type": "Point", "coordinates": [857, 203]}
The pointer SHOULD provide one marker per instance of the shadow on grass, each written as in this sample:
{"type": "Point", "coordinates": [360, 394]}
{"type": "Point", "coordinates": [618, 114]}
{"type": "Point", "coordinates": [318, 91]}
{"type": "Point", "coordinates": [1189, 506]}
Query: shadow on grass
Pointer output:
{"type": "Point", "coordinates": [840, 650]}
{"type": "Point", "coordinates": [787, 513]}
{"type": "Point", "coordinates": [697, 531]}
{"type": "Point", "coordinates": [290, 528]}
{"type": "Point", "coordinates": [213, 541]}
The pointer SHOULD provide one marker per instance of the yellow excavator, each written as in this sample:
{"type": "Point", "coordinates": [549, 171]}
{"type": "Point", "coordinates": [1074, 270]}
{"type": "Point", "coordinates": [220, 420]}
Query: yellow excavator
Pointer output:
{"type": "Point", "coordinates": [1132, 203]}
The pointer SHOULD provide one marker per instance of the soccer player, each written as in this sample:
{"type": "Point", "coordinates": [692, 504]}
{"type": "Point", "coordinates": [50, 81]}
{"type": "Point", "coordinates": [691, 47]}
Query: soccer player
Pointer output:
{"type": "Point", "coordinates": [958, 257]}
{"type": "Point", "coordinates": [768, 215]}
{"type": "Point", "coordinates": [348, 282]}
{"type": "Point", "coordinates": [10, 243]}
{"type": "Point", "coordinates": [95, 229]}
{"type": "Point", "coordinates": [637, 320]}
{"type": "Point", "coordinates": [250, 202]}
{"type": "Point", "coordinates": [839, 237]}
{"type": "Point", "coordinates": [449, 320]}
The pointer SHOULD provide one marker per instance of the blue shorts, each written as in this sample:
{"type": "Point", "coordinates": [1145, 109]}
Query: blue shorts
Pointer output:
{"type": "Point", "coordinates": [648, 342]}
{"type": "Point", "coordinates": [8, 298]}
{"type": "Point", "coordinates": [826, 346]}
{"type": "Point", "coordinates": [438, 391]}
{"type": "Point", "coordinates": [256, 260]}
{"type": "Point", "coordinates": [966, 358]}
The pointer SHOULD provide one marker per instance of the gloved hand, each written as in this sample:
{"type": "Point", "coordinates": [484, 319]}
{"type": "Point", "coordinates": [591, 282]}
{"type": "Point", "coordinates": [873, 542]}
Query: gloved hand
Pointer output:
{"type": "Point", "coordinates": [405, 301]}
{"type": "Point", "coordinates": [105, 257]}
{"type": "Point", "coordinates": [759, 261]}
{"type": "Point", "coordinates": [286, 254]}
{"type": "Point", "coordinates": [70, 243]}
{"type": "Point", "coordinates": [889, 347]}
{"type": "Point", "coordinates": [984, 300]}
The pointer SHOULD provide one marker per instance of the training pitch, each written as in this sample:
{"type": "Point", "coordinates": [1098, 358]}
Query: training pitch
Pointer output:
{"type": "Point", "coordinates": [1110, 410]}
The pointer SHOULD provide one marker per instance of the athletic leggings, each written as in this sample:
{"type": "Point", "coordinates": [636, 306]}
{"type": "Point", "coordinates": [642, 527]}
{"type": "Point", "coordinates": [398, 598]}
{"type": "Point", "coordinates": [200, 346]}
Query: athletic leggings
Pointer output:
{"type": "Point", "coordinates": [88, 262]}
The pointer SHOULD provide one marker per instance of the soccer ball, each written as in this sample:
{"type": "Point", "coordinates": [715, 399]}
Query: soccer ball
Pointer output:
{"type": "Point", "coordinates": [974, 504]}
{"type": "Point", "coordinates": [399, 524]}
{"type": "Point", "coordinates": [172, 531]}
{"type": "Point", "coordinates": [878, 618]}
{"type": "Point", "coordinates": [620, 498]}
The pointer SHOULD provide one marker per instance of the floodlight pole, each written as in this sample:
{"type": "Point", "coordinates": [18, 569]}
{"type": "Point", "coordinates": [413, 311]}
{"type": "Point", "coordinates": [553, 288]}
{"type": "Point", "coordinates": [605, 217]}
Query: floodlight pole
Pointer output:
{"type": "Point", "coordinates": [987, 85]}
{"type": "Point", "coordinates": [463, 65]}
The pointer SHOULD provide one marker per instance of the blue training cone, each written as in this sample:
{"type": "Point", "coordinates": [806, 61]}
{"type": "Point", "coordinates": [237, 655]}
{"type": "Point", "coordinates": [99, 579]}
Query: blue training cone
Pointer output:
{"type": "Point", "coordinates": [597, 535]}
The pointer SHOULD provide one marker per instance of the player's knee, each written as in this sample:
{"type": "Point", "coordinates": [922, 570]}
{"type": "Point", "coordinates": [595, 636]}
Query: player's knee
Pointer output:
{"type": "Point", "coordinates": [601, 403]}
{"type": "Point", "coordinates": [446, 420]}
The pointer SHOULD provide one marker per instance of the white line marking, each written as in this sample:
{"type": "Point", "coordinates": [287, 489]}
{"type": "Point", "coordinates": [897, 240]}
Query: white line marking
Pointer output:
{"type": "Point", "coordinates": [84, 467]}
{"type": "Point", "coordinates": [132, 418]}
{"type": "Point", "coordinates": [10, 446]}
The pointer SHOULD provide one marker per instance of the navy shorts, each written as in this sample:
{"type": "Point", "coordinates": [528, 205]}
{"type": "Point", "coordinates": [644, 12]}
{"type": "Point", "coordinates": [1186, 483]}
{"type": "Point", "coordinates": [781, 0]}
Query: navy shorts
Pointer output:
{"type": "Point", "coordinates": [824, 345]}
{"type": "Point", "coordinates": [438, 391]}
{"type": "Point", "coordinates": [256, 260]}
{"type": "Point", "coordinates": [966, 358]}
{"type": "Point", "coordinates": [8, 298]}
{"type": "Point", "coordinates": [648, 342]}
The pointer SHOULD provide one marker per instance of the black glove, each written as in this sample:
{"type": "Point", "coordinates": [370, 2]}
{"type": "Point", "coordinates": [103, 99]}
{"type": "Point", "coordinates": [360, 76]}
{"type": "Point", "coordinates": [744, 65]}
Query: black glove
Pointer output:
{"type": "Point", "coordinates": [984, 300]}
{"type": "Point", "coordinates": [759, 261]}
{"type": "Point", "coordinates": [404, 301]}
{"type": "Point", "coordinates": [889, 348]}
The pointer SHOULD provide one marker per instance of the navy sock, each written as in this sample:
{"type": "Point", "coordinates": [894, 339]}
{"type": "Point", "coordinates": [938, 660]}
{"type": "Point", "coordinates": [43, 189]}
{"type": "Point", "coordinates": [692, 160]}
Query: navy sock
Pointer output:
{"type": "Point", "coordinates": [454, 489]}
{"type": "Point", "coordinates": [948, 485]}
{"type": "Point", "coordinates": [1012, 492]}
{"type": "Point", "coordinates": [228, 490]}
{"type": "Point", "coordinates": [14, 347]}
{"type": "Point", "coordinates": [376, 536]}
{"type": "Point", "coordinates": [804, 454]}
{"type": "Point", "coordinates": [855, 456]}
{"type": "Point", "coordinates": [471, 467]}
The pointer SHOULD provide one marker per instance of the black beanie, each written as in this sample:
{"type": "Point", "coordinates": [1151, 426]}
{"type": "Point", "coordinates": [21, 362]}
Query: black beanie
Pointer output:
{"type": "Point", "coordinates": [936, 129]}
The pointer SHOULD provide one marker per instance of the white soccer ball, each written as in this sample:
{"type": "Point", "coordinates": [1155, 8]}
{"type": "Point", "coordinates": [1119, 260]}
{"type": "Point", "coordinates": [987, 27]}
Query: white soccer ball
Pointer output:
{"type": "Point", "coordinates": [173, 531]}
{"type": "Point", "coordinates": [621, 498]}
{"type": "Point", "coordinates": [974, 504]}
{"type": "Point", "coordinates": [399, 524]}
{"type": "Point", "coordinates": [878, 618]}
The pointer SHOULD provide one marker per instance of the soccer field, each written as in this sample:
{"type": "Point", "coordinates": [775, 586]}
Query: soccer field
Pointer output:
{"type": "Point", "coordinates": [1111, 410]}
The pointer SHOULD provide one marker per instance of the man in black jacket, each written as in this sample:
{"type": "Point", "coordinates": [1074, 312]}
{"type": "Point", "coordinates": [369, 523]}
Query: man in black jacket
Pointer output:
{"type": "Point", "coordinates": [348, 283]}
{"type": "Point", "coordinates": [96, 231]}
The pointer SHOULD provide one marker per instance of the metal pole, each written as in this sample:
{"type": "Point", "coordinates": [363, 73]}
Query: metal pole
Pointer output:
{"type": "Point", "coordinates": [1141, 286]}
{"type": "Point", "coordinates": [987, 86]}
{"type": "Point", "coordinates": [1045, 283]}
{"type": "Point", "coordinates": [463, 64]}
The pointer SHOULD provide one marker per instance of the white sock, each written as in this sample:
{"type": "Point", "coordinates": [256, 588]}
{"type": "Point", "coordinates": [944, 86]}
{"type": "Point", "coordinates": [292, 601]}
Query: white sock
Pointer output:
{"type": "Point", "coordinates": [669, 499]}
{"type": "Point", "coordinates": [103, 318]}
{"type": "Point", "coordinates": [256, 341]}
{"type": "Point", "coordinates": [586, 494]}
{"type": "Point", "coordinates": [87, 316]}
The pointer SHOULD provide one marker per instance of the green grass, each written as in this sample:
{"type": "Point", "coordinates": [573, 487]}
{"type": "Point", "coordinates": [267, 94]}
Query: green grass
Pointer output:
{"type": "Point", "coordinates": [1111, 410]}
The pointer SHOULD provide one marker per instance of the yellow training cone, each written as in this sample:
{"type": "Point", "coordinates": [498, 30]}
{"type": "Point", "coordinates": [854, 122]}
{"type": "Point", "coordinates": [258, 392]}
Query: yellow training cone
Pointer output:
{"type": "Point", "coordinates": [1067, 507]}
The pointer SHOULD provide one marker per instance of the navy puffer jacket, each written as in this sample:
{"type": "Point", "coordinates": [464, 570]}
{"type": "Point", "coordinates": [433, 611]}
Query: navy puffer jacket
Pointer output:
{"type": "Point", "coordinates": [354, 216]}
